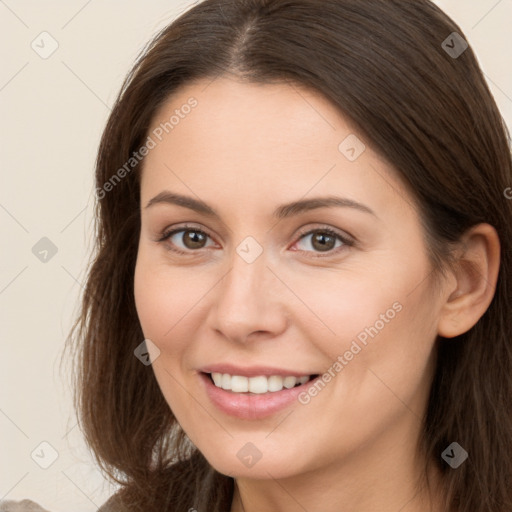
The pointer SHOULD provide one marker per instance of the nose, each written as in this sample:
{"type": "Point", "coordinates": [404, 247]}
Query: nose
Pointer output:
{"type": "Point", "coordinates": [249, 302]}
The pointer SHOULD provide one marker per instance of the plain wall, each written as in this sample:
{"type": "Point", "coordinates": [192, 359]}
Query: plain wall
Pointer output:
{"type": "Point", "coordinates": [53, 111]}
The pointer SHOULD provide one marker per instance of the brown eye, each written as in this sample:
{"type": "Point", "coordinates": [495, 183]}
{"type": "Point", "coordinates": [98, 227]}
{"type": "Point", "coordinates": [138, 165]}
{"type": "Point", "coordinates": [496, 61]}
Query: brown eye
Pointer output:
{"type": "Point", "coordinates": [193, 239]}
{"type": "Point", "coordinates": [323, 241]}
{"type": "Point", "coordinates": [185, 239]}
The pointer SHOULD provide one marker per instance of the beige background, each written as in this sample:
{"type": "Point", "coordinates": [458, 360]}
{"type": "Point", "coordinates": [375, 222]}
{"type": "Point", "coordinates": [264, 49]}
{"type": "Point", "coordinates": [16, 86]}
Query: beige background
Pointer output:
{"type": "Point", "coordinates": [52, 113]}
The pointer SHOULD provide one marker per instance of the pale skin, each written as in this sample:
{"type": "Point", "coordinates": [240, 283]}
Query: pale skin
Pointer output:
{"type": "Point", "coordinates": [245, 150]}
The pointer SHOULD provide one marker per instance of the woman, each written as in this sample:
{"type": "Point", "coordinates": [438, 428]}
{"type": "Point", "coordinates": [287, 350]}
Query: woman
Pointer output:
{"type": "Point", "coordinates": [301, 294]}
{"type": "Point", "coordinates": [384, 312]}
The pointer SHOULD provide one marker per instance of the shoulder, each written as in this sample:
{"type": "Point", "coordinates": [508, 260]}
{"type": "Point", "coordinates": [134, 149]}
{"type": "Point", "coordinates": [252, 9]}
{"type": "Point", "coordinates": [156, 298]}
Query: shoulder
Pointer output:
{"type": "Point", "coordinates": [20, 506]}
{"type": "Point", "coordinates": [114, 503]}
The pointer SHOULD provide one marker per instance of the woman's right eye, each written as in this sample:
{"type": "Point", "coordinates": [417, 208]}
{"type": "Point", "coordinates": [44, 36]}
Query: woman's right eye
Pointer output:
{"type": "Point", "coordinates": [185, 240]}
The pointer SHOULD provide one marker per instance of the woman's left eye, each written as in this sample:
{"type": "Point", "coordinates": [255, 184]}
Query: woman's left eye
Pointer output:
{"type": "Point", "coordinates": [185, 240]}
{"type": "Point", "coordinates": [324, 240]}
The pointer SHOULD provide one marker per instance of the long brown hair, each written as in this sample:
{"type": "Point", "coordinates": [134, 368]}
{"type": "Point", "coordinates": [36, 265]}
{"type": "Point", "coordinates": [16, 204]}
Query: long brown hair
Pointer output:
{"type": "Point", "coordinates": [426, 110]}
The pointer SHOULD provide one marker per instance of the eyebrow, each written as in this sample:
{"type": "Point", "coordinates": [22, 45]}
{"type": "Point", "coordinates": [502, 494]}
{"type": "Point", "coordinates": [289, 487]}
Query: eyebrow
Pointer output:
{"type": "Point", "coordinates": [282, 212]}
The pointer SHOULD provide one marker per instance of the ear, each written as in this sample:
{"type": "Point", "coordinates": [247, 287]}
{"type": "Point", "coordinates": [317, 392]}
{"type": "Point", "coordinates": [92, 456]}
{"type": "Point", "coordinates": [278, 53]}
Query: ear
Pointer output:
{"type": "Point", "coordinates": [476, 273]}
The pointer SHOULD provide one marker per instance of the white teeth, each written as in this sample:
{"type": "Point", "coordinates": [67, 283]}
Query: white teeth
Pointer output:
{"type": "Point", "coordinates": [275, 383]}
{"type": "Point", "coordinates": [226, 381]}
{"type": "Point", "coordinates": [289, 382]}
{"type": "Point", "coordinates": [239, 384]}
{"type": "Point", "coordinates": [217, 379]}
{"type": "Point", "coordinates": [259, 385]}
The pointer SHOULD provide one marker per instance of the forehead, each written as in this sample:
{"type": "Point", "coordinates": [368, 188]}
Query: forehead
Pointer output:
{"type": "Point", "coordinates": [232, 114]}
{"type": "Point", "coordinates": [260, 140]}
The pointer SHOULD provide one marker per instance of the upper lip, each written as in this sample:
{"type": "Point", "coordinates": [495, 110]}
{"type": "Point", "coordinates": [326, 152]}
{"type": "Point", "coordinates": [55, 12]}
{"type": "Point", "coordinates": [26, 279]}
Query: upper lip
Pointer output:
{"type": "Point", "coordinates": [252, 371]}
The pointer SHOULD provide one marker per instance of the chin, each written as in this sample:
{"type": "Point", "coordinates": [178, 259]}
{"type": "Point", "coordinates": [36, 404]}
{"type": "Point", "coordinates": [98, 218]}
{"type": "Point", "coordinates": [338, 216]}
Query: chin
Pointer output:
{"type": "Point", "coordinates": [240, 465]}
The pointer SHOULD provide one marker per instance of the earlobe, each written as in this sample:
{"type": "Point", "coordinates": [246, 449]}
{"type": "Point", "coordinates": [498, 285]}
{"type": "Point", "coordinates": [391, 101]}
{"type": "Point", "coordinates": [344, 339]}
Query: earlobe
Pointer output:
{"type": "Point", "coordinates": [476, 272]}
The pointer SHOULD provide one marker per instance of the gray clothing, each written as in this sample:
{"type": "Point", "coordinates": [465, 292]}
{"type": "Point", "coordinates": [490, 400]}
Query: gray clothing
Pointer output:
{"type": "Point", "coordinates": [30, 506]}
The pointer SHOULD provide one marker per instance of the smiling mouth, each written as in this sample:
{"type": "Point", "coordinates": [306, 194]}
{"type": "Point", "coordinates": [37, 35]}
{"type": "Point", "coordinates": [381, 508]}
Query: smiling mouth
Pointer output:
{"type": "Point", "coordinates": [258, 385]}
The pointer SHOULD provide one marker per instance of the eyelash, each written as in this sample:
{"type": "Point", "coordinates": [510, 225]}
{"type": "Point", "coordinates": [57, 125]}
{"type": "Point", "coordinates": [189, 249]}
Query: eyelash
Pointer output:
{"type": "Point", "coordinates": [166, 235]}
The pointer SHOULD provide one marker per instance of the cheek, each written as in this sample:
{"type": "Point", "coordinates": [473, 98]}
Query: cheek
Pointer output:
{"type": "Point", "coordinates": [168, 303]}
{"type": "Point", "coordinates": [392, 370]}
{"type": "Point", "coordinates": [162, 304]}
{"type": "Point", "coordinates": [379, 318]}
{"type": "Point", "coordinates": [409, 342]}
{"type": "Point", "coordinates": [148, 301]}
{"type": "Point", "coordinates": [157, 304]}
{"type": "Point", "coordinates": [345, 305]}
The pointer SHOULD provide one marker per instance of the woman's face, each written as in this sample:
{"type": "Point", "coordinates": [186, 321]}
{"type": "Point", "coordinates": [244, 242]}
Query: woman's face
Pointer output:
{"type": "Point", "coordinates": [296, 252]}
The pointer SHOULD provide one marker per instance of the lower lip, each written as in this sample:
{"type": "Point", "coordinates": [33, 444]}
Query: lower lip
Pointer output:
{"type": "Point", "coordinates": [252, 406]}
